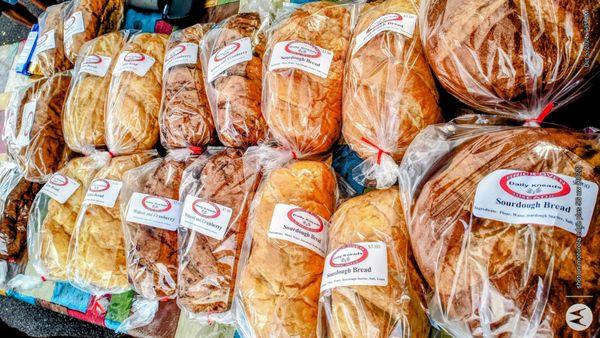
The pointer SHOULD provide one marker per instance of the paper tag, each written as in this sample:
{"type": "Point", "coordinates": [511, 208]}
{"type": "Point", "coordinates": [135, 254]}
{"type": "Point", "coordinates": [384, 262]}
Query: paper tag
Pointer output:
{"type": "Point", "coordinates": [154, 211]}
{"type": "Point", "coordinates": [183, 54]}
{"type": "Point", "coordinates": [402, 23]}
{"type": "Point", "coordinates": [356, 264]}
{"type": "Point", "coordinates": [45, 42]}
{"type": "Point", "coordinates": [95, 65]}
{"type": "Point", "coordinates": [27, 120]}
{"type": "Point", "coordinates": [207, 218]}
{"type": "Point", "coordinates": [236, 52]}
{"type": "Point", "coordinates": [27, 47]}
{"type": "Point", "coordinates": [301, 55]}
{"type": "Point", "coordinates": [103, 192]}
{"type": "Point", "coordinates": [544, 198]}
{"type": "Point", "coordinates": [137, 63]}
{"type": "Point", "coordinates": [299, 226]}
{"type": "Point", "coordinates": [73, 25]}
{"type": "Point", "coordinates": [60, 187]}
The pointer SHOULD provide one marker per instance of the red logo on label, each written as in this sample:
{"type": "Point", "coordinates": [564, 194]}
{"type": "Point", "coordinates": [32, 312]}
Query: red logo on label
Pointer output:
{"type": "Point", "coordinates": [94, 59]}
{"type": "Point", "coordinates": [70, 21]}
{"type": "Point", "coordinates": [226, 51]}
{"type": "Point", "coordinates": [303, 49]}
{"type": "Point", "coordinates": [136, 57]}
{"type": "Point", "coordinates": [546, 185]}
{"type": "Point", "coordinates": [99, 185]}
{"type": "Point", "coordinates": [60, 180]}
{"type": "Point", "coordinates": [347, 255]}
{"type": "Point", "coordinates": [176, 51]}
{"type": "Point", "coordinates": [155, 203]}
{"type": "Point", "coordinates": [206, 209]}
{"type": "Point", "coordinates": [384, 19]}
{"type": "Point", "coordinates": [306, 220]}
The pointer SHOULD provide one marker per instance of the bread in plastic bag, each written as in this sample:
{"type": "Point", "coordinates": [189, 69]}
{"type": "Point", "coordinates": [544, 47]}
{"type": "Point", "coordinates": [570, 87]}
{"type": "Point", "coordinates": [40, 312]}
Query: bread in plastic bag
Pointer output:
{"type": "Point", "coordinates": [351, 303]}
{"type": "Point", "coordinates": [114, 14]}
{"type": "Point", "coordinates": [97, 249]}
{"type": "Point", "coordinates": [492, 216]}
{"type": "Point", "coordinates": [217, 190]}
{"type": "Point", "coordinates": [54, 214]}
{"type": "Point", "coordinates": [232, 55]}
{"type": "Point", "coordinates": [133, 102]}
{"type": "Point", "coordinates": [185, 118]}
{"type": "Point", "coordinates": [517, 58]}
{"type": "Point", "coordinates": [49, 56]}
{"type": "Point", "coordinates": [279, 280]}
{"type": "Point", "coordinates": [83, 116]}
{"type": "Point", "coordinates": [36, 142]}
{"type": "Point", "coordinates": [389, 92]}
{"type": "Point", "coordinates": [303, 70]}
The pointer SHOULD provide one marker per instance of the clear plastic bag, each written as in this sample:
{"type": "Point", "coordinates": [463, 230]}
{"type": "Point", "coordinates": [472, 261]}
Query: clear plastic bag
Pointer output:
{"type": "Point", "coordinates": [303, 69]}
{"type": "Point", "coordinates": [492, 213]}
{"type": "Point", "coordinates": [517, 58]}
{"type": "Point", "coordinates": [185, 118]}
{"type": "Point", "coordinates": [232, 55]}
{"type": "Point", "coordinates": [54, 213]}
{"type": "Point", "coordinates": [389, 92]}
{"type": "Point", "coordinates": [83, 116]}
{"type": "Point", "coordinates": [96, 261]}
{"type": "Point", "coordinates": [49, 55]}
{"type": "Point", "coordinates": [282, 257]}
{"type": "Point", "coordinates": [133, 102]}
{"type": "Point", "coordinates": [217, 190]}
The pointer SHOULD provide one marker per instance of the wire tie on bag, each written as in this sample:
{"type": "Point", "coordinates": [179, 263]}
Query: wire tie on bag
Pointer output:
{"type": "Point", "coordinates": [110, 153]}
{"type": "Point", "coordinates": [544, 113]}
{"type": "Point", "coordinates": [380, 151]}
{"type": "Point", "coordinates": [43, 278]}
{"type": "Point", "coordinates": [294, 155]}
{"type": "Point", "coordinates": [11, 260]}
{"type": "Point", "coordinates": [195, 150]}
{"type": "Point", "coordinates": [164, 299]}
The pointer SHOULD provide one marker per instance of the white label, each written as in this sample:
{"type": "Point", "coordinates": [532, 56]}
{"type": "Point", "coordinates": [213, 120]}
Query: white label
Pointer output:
{"type": "Point", "coordinates": [103, 192]}
{"type": "Point", "coordinates": [356, 264]}
{"type": "Point", "coordinates": [95, 65]}
{"type": "Point", "coordinates": [27, 119]}
{"type": "Point", "coordinates": [73, 25]}
{"type": "Point", "coordinates": [154, 211]}
{"type": "Point", "coordinates": [207, 218]}
{"type": "Point", "coordinates": [27, 48]}
{"type": "Point", "coordinates": [60, 187]}
{"type": "Point", "coordinates": [183, 54]}
{"type": "Point", "coordinates": [45, 42]}
{"type": "Point", "coordinates": [138, 63]}
{"type": "Point", "coordinates": [522, 197]}
{"type": "Point", "coordinates": [236, 52]}
{"type": "Point", "coordinates": [402, 23]}
{"type": "Point", "coordinates": [299, 226]}
{"type": "Point", "coordinates": [301, 55]}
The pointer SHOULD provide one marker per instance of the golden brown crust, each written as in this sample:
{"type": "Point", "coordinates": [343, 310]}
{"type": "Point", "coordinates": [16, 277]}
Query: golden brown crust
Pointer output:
{"type": "Point", "coordinates": [91, 14]}
{"type": "Point", "coordinates": [52, 60]}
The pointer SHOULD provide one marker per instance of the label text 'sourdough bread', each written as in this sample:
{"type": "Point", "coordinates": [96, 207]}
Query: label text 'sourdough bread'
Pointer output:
{"type": "Point", "coordinates": [280, 280]}
{"type": "Point", "coordinates": [302, 100]}
{"type": "Point", "coordinates": [49, 55]}
{"type": "Point", "coordinates": [133, 101]}
{"type": "Point", "coordinates": [83, 117]}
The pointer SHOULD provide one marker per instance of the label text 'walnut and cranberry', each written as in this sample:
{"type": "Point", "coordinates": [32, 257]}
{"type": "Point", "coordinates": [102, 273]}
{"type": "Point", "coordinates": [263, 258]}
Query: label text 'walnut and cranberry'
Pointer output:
{"type": "Point", "coordinates": [235, 52]}
{"type": "Point", "coordinates": [207, 218]}
{"type": "Point", "coordinates": [185, 53]}
{"type": "Point", "coordinates": [299, 226]}
{"type": "Point", "coordinates": [155, 211]}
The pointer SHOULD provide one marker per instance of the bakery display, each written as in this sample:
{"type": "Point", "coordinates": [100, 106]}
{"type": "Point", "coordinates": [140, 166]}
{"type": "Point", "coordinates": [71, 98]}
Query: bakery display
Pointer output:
{"type": "Point", "coordinates": [302, 85]}
{"type": "Point", "coordinates": [512, 57]}
{"type": "Point", "coordinates": [279, 279]}
{"type": "Point", "coordinates": [185, 118]}
{"type": "Point", "coordinates": [217, 191]}
{"type": "Point", "coordinates": [351, 305]}
{"type": "Point", "coordinates": [232, 60]}
{"type": "Point", "coordinates": [492, 212]}
{"type": "Point", "coordinates": [389, 92]}
{"type": "Point", "coordinates": [49, 56]}
{"type": "Point", "coordinates": [133, 102]}
{"type": "Point", "coordinates": [83, 116]}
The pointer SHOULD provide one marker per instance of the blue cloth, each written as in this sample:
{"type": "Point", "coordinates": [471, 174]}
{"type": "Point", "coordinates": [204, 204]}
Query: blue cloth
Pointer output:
{"type": "Point", "coordinates": [11, 2]}
{"type": "Point", "coordinates": [344, 161]}
{"type": "Point", "coordinates": [70, 297]}
{"type": "Point", "coordinates": [23, 298]}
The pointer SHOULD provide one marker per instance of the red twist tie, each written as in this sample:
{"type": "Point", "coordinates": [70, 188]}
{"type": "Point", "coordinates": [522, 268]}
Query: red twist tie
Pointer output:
{"type": "Point", "coordinates": [195, 150]}
{"type": "Point", "coordinates": [11, 260]}
{"type": "Point", "coordinates": [43, 278]}
{"type": "Point", "coordinates": [110, 153]}
{"type": "Point", "coordinates": [294, 155]}
{"type": "Point", "coordinates": [380, 151]}
{"type": "Point", "coordinates": [164, 299]}
{"type": "Point", "coordinates": [543, 114]}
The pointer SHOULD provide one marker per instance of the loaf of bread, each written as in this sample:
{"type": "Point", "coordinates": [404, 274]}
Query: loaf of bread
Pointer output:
{"type": "Point", "coordinates": [81, 24]}
{"type": "Point", "coordinates": [280, 280]}
{"type": "Point", "coordinates": [83, 116]}
{"type": "Point", "coordinates": [113, 16]}
{"type": "Point", "coordinates": [488, 272]}
{"type": "Point", "coordinates": [185, 118]}
{"type": "Point", "coordinates": [133, 101]}
{"type": "Point", "coordinates": [393, 310]}
{"type": "Point", "coordinates": [511, 57]}
{"type": "Point", "coordinates": [303, 109]}
{"type": "Point", "coordinates": [235, 92]}
{"type": "Point", "coordinates": [49, 55]}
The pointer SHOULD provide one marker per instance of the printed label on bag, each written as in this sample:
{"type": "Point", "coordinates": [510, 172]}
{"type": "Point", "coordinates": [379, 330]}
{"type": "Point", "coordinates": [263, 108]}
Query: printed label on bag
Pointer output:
{"type": "Point", "coordinates": [103, 192]}
{"type": "Point", "coordinates": [60, 187]}
{"type": "Point", "coordinates": [27, 119]}
{"type": "Point", "coordinates": [301, 55]}
{"type": "Point", "coordinates": [138, 63]}
{"type": "Point", "coordinates": [236, 52]}
{"type": "Point", "coordinates": [207, 218]}
{"type": "Point", "coordinates": [299, 226]}
{"type": "Point", "coordinates": [402, 23]}
{"type": "Point", "coordinates": [183, 54]}
{"type": "Point", "coordinates": [356, 264]}
{"type": "Point", "coordinates": [95, 65]}
{"type": "Point", "coordinates": [545, 198]}
{"type": "Point", "coordinates": [29, 43]}
{"type": "Point", "coordinates": [45, 42]}
{"type": "Point", "coordinates": [73, 25]}
{"type": "Point", "coordinates": [154, 211]}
